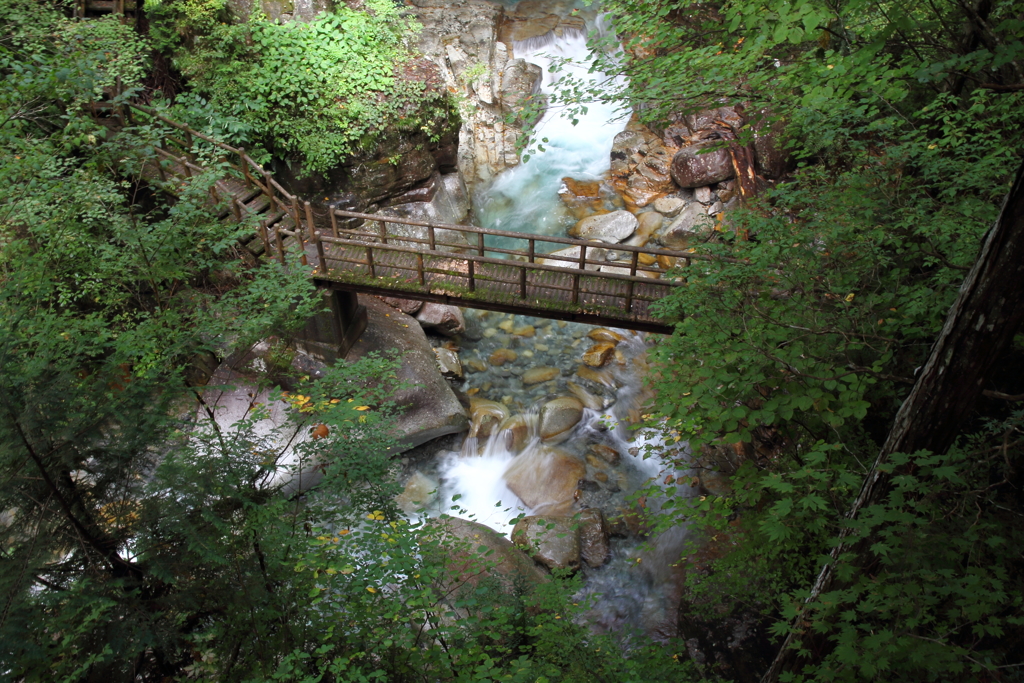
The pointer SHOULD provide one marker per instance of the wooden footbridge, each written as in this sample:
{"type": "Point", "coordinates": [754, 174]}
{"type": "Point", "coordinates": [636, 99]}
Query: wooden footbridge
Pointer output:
{"type": "Point", "coordinates": [347, 251]}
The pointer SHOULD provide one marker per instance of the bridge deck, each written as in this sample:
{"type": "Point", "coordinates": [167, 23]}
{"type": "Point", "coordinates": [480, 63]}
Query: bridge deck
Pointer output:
{"type": "Point", "coordinates": [551, 277]}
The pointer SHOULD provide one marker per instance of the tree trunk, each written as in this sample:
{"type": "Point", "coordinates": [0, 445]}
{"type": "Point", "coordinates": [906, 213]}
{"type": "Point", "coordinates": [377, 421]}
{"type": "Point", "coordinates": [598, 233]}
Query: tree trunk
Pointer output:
{"type": "Point", "coordinates": [981, 323]}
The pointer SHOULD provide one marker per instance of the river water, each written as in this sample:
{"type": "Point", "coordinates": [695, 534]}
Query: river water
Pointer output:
{"type": "Point", "coordinates": [637, 588]}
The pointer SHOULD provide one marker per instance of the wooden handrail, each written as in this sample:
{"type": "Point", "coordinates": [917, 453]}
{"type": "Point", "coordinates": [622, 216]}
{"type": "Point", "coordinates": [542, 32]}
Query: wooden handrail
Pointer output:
{"type": "Point", "coordinates": [503, 262]}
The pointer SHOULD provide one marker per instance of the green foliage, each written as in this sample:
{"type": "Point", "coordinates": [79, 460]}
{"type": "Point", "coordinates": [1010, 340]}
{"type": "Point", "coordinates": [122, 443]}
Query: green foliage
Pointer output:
{"type": "Point", "coordinates": [803, 340]}
{"type": "Point", "coordinates": [317, 91]}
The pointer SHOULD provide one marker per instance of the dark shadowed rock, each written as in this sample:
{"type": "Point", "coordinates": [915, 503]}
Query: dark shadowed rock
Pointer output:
{"type": "Point", "coordinates": [446, 320]}
{"type": "Point", "coordinates": [690, 168]}
{"type": "Point", "coordinates": [407, 306]}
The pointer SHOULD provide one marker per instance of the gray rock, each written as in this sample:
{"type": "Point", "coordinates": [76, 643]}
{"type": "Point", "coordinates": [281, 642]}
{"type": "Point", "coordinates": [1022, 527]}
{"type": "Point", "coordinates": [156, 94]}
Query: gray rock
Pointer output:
{"type": "Point", "coordinates": [573, 253]}
{"type": "Point", "coordinates": [689, 227]}
{"type": "Point", "coordinates": [609, 227]}
{"type": "Point", "coordinates": [430, 407]}
{"type": "Point", "coordinates": [553, 542]}
{"type": "Point", "coordinates": [692, 169]}
{"type": "Point", "coordinates": [446, 320]}
{"type": "Point", "coordinates": [702, 195]}
{"type": "Point", "coordinates": [449, 363]}
{"type": "Point", "coordinates": [669, 206]}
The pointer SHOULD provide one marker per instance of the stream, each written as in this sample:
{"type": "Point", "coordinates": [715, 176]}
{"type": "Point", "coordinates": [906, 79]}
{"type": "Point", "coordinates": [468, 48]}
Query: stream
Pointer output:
{"type": "Point", "coordinates": [527, 451]}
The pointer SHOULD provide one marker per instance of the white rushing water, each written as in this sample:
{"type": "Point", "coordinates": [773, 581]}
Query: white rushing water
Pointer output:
{"type": "Point", "coordinates": [525, 198]}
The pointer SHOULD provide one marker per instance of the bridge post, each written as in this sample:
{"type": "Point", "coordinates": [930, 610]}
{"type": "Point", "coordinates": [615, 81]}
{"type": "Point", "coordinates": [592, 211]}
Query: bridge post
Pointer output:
{"type": "Point", "coordinates": [329, 335]}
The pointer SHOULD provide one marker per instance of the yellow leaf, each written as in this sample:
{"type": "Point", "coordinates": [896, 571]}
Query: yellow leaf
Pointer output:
{"type": "Point", "coordinates": [371, 589]}
{"type": "Point", "coordinates": [362, 407]}
{"type": "Point", "coordinates": [849, 297]}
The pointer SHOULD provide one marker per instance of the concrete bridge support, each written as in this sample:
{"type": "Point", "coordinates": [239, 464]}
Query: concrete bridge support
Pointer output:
{"type": "Point", "coordinates": [329, 335]}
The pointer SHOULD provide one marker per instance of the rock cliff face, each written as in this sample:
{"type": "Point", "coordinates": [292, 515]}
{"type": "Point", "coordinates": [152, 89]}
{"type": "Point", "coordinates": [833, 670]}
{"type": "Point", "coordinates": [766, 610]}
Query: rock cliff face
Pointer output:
{"type": "Point", "coordinates": [461, 37]}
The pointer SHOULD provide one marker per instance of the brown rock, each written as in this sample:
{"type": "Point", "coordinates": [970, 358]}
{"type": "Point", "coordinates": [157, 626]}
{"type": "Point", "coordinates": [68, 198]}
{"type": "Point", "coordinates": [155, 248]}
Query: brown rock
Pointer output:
{"type": "Point", "coordinates": [583, 188]}
{"type": "Point", "coordinates": [545, 476]}
{"type": "Point", "coordinates": [593, 375]}
{"type": "Point", "coordinates": [558, 417]}
{"type": "Point", "coordinates": [524, 331]}
{"type": "Point", "coordinates": [538, 375]}
{"type": "Point", "coordinates": [465, 564]}
{"type": "Point", "coordinates": [598, 354]}
{"type": "Point", "coordinates": [606, 453]}
{"type": "Point", "coordinates": [484, 416]}
{"type": "Point", "coordinates": [667, 262]}
{"type": "Point", "coordinates": [603, 334]}
{"type": "Point", "coordinates": [692, 169]}
{"type": "Point", "coordinates": [518, 430]}
{"type": "Point", "coordinates": [585, 397]}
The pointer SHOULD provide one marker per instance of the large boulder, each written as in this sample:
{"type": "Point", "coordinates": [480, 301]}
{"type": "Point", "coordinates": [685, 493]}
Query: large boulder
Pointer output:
{"type": "Point", "coordinates": [430, 407]}
{"type": "Point", "coordinates": [689, 227]}
{"type": "Point", "coordinates": [609, 227]}
{"type": "Point", "coordinates": [471, 553]}
{"type": "Point", "coordinates": [695, 166]}
{"type": "Point", "coordinates": [545, 478]}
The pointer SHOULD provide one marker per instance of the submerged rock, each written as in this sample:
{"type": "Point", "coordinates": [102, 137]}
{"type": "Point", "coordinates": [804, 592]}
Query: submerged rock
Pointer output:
{"type": "Point", "coordinates": [593, 533]}
{"type": "Point", "coordinates": [420, 491]}
{"type": "Point", "coordinates": [586, 398]}
{"type": "Point", "coordinates": [538, 375]}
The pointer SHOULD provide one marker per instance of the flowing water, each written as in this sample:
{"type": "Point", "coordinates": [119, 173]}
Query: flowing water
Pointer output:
{"type": "Point", "coordinates": [525, 198]}
{"type": "Point", "coordinates": [517, 367]}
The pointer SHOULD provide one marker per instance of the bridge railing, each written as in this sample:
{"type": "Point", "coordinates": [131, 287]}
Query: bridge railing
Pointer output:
{"type": "Point", "coordinates": [461, 250]}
